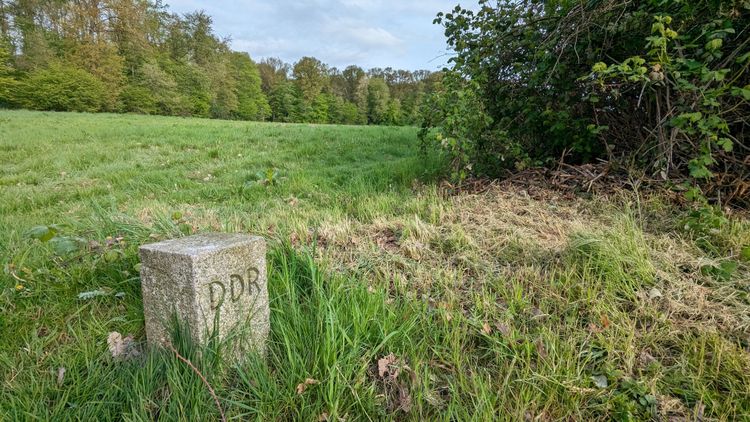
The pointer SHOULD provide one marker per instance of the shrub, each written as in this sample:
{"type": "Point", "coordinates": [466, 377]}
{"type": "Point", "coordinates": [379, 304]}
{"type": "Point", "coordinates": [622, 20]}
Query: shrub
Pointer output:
{"type": "Point", "coordinates": [663, 84]}
{"type": "Point", "coordinates": [61, 87]}
{"type": "Point", "coordinates": [138, 99]}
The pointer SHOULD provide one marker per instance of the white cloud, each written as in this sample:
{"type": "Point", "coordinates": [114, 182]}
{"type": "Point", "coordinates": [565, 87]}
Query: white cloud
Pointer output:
{"type": "Point", "coordinates": [369, 33]}
{"type": "Point", "coordinates": [373, 37]}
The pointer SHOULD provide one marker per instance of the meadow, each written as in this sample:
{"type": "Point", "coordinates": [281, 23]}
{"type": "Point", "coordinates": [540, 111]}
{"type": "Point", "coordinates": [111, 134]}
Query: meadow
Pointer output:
{"type": "Point", "coordinates": [393, 296]}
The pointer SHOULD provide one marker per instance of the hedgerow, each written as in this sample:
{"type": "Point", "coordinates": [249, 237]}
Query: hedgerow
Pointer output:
{"type": "Point", "coordinates": [662, 86]}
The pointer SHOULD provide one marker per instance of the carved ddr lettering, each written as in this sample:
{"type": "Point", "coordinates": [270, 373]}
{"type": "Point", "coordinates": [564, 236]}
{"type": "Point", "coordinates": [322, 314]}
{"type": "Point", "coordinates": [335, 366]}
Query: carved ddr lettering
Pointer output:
{"type": "Point", "coordinates": [234, 280]}
{"type": "Point", "coordinates": [237, 287]}
{"type": "Point", "coordinates": [253, 274]}
{"type": "Point", "coordinates": [213, 288]}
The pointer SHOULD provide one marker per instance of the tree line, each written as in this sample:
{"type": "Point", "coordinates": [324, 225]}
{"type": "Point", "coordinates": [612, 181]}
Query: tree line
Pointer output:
{"type": "Point", "coordinates": [136, 56]}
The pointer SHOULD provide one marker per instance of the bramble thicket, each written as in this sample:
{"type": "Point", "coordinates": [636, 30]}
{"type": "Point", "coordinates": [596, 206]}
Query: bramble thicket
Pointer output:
{"type": "Point", "coordinates": [660, 87]}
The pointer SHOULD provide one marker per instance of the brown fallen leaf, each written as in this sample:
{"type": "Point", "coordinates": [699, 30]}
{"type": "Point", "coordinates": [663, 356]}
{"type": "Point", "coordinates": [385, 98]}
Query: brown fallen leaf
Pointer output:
{"type": "Point", "coordinates": [122, 348]}
{"type": "Point", "coordinates": [594, 329]}
{"type": "Point", "coordinates": [486, 329]}
{"type": "Point", "coordinates": [537, 313]}
{"type": "Point", "coordinates": [541, 349]}
{"type": "Point", "coordinates": [301, 387]}
{"type": "Point", "coordinates": [60, 375]}
{"type": "Point", "coordinates": [605, 321]}
{"type": "Point", "coordinates": [503, 328]}
{"type": "Point", "coordinates": [42, 331]}
{"type": "Point", "coordinates": [404, 398]}
{"type": "Point", "coordinates": [323, 417]}
{"type": "Point", "coordinates": [294, 239]}
{"type": "Point", "coordinates": [384, 364]}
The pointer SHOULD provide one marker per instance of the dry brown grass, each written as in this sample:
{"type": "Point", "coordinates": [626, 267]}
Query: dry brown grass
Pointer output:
{"type": "Point", "coordinates": [506, 232]}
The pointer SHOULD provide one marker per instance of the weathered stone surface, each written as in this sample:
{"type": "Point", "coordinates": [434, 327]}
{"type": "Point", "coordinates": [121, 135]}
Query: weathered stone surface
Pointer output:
{"type": "Point", "coordinates": [204, 277]}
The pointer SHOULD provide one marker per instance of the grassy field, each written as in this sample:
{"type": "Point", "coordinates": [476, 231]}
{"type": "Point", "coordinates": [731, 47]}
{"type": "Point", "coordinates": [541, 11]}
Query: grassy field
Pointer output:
{"type": "Point", "coordinates": [394, 297]}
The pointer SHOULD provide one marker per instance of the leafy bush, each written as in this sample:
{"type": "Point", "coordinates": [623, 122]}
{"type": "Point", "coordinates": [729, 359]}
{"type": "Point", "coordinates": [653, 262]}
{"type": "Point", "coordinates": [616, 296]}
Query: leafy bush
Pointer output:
{"type": "Point", "coordinates": [61, 87]}
{"type": "Point", "coordinates": [138, 99]}
{"type": "Point", "coordinates": [664, 84]}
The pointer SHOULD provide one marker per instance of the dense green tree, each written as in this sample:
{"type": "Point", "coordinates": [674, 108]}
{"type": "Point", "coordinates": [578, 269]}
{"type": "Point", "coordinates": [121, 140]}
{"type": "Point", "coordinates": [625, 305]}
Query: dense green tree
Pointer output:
{"type": "Point", "coordinates": [252, 103]}
{"type": "Point", "coordinates": [378, 98]}
{"type": "Point", "coordinates": [139, 99]}
{"type": "Point", "coordinates": [284, 103]}
{"type": "Point", "coordinates": [8, 84]}
{"type": "Point", "coordinates": [310, 77]}
{"type": "Point", "coordinates": [62, 87]}
{"type": "Point", "coordinates": [272, 71]}
{"type": "Point", "coordinates": [102, 60]}
{"type": "Point", "coordinates": [161, 87]}
{"type": "Point", "coordinates": [352, 76]}
{"type": "Point", "coordinates": [319, 110]}
{"type": "Point", "coordinates": [660, 85]}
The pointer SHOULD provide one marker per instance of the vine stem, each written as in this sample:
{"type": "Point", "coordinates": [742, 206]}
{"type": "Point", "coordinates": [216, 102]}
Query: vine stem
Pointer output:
{"type": "Point", "coordinates": [203, 378]}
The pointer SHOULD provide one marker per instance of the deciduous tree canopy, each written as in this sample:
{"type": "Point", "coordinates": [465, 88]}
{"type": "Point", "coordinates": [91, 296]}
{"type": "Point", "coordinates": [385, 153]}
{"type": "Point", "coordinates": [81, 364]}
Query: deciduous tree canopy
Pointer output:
{"type": "Point", "coordinates": [136, 56]}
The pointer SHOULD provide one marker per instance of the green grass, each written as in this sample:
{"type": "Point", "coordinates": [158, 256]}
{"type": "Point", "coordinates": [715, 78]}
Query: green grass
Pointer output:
{"type": "Point", "coordinates": [493, 306]}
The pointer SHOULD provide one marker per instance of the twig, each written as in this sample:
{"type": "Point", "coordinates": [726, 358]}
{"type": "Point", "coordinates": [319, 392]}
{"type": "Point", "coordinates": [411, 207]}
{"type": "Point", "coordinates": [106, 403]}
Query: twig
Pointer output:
{"type": "Point", "coordinates": [205, 381]}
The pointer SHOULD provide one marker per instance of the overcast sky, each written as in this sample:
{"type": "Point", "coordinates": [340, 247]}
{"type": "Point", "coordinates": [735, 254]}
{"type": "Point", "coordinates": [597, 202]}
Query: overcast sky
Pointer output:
{"type": "Point", "coordinates": [369, 33]}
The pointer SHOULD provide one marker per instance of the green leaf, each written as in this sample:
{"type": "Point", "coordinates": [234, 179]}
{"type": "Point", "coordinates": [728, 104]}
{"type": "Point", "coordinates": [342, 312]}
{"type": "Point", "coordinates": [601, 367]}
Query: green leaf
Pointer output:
{"type": "Point", "coordinates": [726, 144]}
{"type": "Point", "coordinates": [727, 268]}
{"type": "Point", "coordinates": [745, 253]}
{"type": "Point", "coordinates": [714, 44]}
{"type": "Point", "coordinates": [64, 245]}
{"type": "Point", "coordinates": [742, 92]}
{"type": "Point", "coordinates": [92, 294]}
{"type": "Point", "coordinates": [600, 381]}
{"type": "Point", "coordinates": [599, 67]}
{"type": "Point", "coordinates": [42, 233]}
{"type": "Point", "coordinates": [691, 117]}
{"type": "Point", "coordinates": [699, 171]}
{"type": "Point", "coordinates": [111, 255]}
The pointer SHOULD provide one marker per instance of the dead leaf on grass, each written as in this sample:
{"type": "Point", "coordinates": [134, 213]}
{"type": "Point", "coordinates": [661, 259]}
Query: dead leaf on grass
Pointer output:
{"type": "Point", "coordinates": [486, 328]}
{"type": "Point", "coordinates": [60, 375]}
{"type": "Point", "coordinates": [600, 381]}
{"type": "Point", "coordinates": [541, 349]}
{"type": "Point", "coordinates": [396, 390]}
{"type": "Point", "coordinates": [503, 328]}
{"type": "Point", "coordinates": [384, 364]}
{"type": "Point", "coordinates": [654, 293]}
{"type": "Point", "coordinates": [404, 398]}
{"type": "Point", "coordinates": [122, 348]}
{"type": "Point", "coordinates": [294, 239]}
{"type": "Point", "coordinates": [301, 387]}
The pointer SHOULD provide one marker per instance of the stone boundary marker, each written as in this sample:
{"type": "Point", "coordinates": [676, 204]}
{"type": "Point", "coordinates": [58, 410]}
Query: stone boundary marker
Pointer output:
{"type": "Point", "coordinates": [204, 277]}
